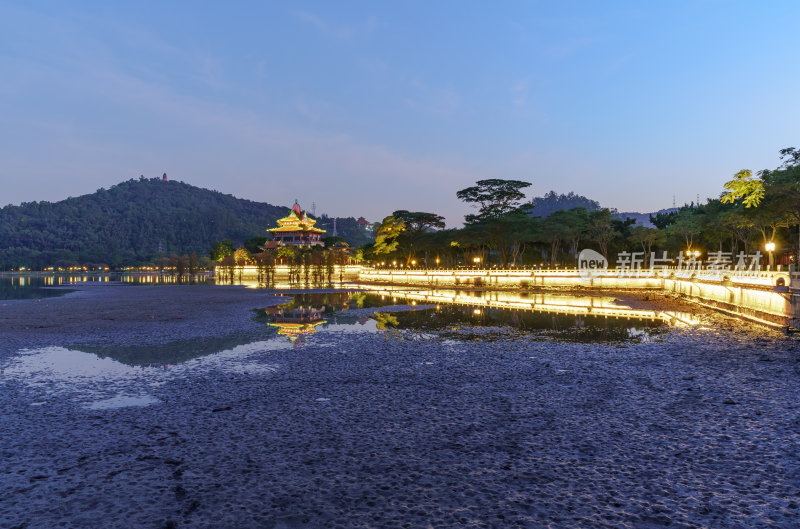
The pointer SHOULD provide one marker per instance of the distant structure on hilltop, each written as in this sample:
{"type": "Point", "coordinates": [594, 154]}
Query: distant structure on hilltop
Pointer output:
{"type": "Point", "coordinates": [164, 178]}
{"type": "Point", "coordinates": [364, 224]}
{"type": "Point", "coordinates": [295, 229]}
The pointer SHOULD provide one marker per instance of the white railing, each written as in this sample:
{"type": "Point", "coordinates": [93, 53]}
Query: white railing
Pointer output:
{"type": "Point", "coordinates": [760, 278]}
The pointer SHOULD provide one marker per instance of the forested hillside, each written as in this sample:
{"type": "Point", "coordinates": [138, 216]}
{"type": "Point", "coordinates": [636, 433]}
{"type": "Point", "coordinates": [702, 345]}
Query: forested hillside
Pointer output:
{"type": "Point", "coordinates": [552, 201]}
{"type": "Point", "coordinates": [127, 224]}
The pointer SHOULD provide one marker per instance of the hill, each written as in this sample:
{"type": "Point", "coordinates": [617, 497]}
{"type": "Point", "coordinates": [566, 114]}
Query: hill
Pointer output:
{"type": "Point", "coordinates": [552, 201]}
{"type": "Point", "coordinates": [642, 219]}
{"type": "Point", "coordinates": [545, 205]}
{"type": "Point", "coordinates": [128, 223]}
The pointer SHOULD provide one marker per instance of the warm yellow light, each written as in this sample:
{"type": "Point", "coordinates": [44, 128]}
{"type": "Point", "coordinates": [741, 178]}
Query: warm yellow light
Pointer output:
{"type": "Point", "coordinates": [697, 253]}
{"type": "Point", "coordinates": [413, 263]}
{"type": "Point", "coordinates": [476, 260]}
{"type": "Point", "coordinates": [770, 246]}
{"type": "Point", "coordinates": [477, 312]}
{"type": "Point", "coordinates": [688, 253]}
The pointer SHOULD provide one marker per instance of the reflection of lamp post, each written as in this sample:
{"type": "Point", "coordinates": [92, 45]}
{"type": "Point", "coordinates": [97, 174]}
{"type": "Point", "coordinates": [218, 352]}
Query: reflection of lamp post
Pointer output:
{"type": "Point", "coordinates": [770, 247]}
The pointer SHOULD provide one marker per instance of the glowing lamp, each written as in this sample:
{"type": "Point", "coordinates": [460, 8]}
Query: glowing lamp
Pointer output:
{"type": "Point", "coordinates": [770, 246]}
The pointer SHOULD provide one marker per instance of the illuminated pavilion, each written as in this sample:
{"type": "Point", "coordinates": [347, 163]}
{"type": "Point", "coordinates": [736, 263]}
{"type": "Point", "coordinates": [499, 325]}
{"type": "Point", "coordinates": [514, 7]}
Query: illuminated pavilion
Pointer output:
{"type": "Point", "coordinates": [297, 229]}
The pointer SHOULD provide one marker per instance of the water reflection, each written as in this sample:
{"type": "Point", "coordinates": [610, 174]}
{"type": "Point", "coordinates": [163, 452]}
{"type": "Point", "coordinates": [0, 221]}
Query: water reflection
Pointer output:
{"type": "Point", "coordinates": [104, 381]}
{"type": "Point", "coordinates": [587, 307]}
{"type": "Point", "coordinates": [479, 315]}
{"type": "Point", "coordinates": [35, 285]}
{"type": "Point", "coordinates": [27, 287]}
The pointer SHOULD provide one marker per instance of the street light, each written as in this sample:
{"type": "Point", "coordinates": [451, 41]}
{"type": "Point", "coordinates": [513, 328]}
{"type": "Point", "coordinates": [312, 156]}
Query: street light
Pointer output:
{"type": "Point", "coordinates": [476, 260]}
{"type": "Point", "coordinates": [770, 247]}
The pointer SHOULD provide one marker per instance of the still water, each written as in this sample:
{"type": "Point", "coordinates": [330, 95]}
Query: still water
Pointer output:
{"type": "Point", "coordinates": [36, 286]}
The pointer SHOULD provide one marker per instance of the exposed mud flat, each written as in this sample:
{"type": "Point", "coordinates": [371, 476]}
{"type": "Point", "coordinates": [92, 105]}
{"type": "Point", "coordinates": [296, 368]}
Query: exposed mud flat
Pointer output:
{"type": "Point", "coordinates": [698, 428]}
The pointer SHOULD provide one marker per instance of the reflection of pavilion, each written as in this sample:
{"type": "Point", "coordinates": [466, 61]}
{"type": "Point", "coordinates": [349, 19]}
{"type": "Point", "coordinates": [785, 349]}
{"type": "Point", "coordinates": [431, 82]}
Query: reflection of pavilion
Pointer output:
{"type": "Point", "coordinates": [294, 323]}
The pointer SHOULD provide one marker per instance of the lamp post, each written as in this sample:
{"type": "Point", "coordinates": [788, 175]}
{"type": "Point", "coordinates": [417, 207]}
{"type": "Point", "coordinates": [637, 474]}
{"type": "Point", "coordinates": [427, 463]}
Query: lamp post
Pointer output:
{"type": "Point", "coordinates": [477, 261]}
{"type": "Point", "coordinates": [770, 247]}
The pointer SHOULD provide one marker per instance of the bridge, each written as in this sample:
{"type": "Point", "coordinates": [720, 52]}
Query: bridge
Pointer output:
{"type": "Point", "coordinates": [768, 297]}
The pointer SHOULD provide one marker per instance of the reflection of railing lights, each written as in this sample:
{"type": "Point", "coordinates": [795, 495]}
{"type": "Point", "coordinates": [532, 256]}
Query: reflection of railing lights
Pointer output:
{"type": "Point", "coordinates": [477, 312]}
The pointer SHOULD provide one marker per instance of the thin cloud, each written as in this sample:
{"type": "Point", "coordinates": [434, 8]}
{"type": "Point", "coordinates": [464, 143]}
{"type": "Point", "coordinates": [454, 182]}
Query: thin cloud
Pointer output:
{"type": "Point", "coordinates": [336, 30]}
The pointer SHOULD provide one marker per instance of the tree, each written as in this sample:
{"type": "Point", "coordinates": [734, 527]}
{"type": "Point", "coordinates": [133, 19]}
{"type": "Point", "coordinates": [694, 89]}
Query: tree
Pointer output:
{"type": "Point", "coordinates": [387, 236]}
{"type": "Point", "coordinates": [790, 157]}
{"type": "Point", "coordinates": [662, 219]}
{"type": "Point", "coordinates": [508, 235]}
{"type": "Point", "coordinates": [331, 241]}
{"type": "Point", "coordinates": [552, 201]}
{"type": "Point", "coordinates": [416, 225]}
{"type": "Point", "coordinates": [562, 226]}
{"type": "Point", "coordinates": [241, 257]}
{"type": "Point", "coordinates": [418, 222]}
{"type": "Point", "coordinates": [780, 189]}
{"type": "Point", "coordinates": [746, 187]}
{"type": "Point", "coordinates": [194, 264]}
{"type": "Point", "coordinates": [684, 229]}
{"type": "Point", "coordinates": [647, 238]}
{"type": "Point", "coordinates": [493, 197]}
{"type": "Point", "coordinates": [602, 229]}
{"type": "Point", "coordinates": [254, 244]}
{"type": "Point", "coordinates": [221, 249]}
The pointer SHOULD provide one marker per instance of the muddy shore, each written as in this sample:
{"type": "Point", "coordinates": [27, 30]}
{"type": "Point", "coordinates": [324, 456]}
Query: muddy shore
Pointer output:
{"type": "Point", "coordinates": [699, 427]}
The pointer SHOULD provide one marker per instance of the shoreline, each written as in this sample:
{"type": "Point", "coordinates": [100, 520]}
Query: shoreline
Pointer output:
{"type": "Point", "coordinates": [117, 314]}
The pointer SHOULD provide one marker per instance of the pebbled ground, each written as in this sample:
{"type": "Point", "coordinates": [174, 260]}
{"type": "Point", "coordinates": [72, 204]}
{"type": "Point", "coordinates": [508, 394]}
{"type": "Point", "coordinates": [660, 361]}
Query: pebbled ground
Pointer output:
{"type": "Point", "coordinates": [700, 428]}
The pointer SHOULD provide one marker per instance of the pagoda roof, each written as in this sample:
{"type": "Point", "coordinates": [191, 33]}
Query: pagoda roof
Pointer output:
{"type": "Point", "coordinates": [296, 220]}
{"type": "Point", "coordinates": [304, 229]}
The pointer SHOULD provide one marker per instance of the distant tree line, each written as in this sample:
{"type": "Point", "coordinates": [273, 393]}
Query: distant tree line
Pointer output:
{"type": "Point", "coordinates": [756, 209]}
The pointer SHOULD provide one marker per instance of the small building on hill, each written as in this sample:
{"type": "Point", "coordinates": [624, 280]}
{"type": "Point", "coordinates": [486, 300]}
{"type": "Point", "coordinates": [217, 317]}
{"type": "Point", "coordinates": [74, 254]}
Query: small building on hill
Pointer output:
{"type": "Point", "coordinates": [297, 229]}
{"type": "Point", "coordinates": [364, 224]}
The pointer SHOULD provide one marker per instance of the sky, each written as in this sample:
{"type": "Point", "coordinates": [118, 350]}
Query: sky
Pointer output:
{"type": "Point", "coordinates": [363, 108]}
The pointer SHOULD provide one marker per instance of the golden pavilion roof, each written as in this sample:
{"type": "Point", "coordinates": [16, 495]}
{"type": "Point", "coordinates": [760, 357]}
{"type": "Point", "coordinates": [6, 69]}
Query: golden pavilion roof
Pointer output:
{"type": "Point", "coordinates": [296, 220]}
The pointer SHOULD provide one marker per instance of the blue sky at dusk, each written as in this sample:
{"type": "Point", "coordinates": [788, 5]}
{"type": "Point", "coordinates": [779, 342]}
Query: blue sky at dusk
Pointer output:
{"type": "Point", "coordinates": [368, 107]}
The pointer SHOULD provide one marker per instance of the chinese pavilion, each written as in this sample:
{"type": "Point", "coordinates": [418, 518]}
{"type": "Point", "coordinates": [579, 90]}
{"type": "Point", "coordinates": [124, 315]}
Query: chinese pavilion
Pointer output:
{"type": "Point", "coordinates": [297, 229]}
